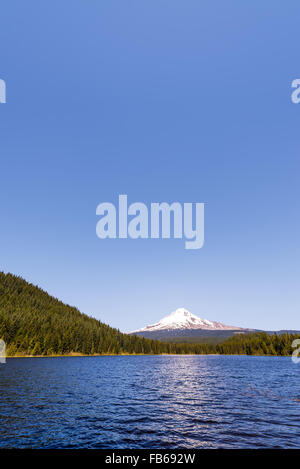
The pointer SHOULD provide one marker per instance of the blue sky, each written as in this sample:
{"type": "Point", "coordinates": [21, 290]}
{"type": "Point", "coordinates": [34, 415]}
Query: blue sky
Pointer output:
{"type": "Point", "coordinates": [163, 101]}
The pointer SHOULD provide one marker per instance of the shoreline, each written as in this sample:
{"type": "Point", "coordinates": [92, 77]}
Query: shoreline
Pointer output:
{"type": "Point", "coordinates": [145, 355]}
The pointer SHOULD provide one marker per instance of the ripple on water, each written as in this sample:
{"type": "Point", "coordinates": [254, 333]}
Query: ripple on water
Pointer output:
{"type": "Point", "coordinates": [150, 402]}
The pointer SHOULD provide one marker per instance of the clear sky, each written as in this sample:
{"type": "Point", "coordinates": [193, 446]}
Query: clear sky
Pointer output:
{"type": "Point", "coordinates": [169, 100]}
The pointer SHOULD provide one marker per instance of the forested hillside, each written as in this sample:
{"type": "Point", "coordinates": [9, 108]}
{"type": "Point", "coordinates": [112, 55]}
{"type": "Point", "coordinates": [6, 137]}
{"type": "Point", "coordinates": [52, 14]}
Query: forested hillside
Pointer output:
{"type": "Point", "coordinates": [259, 343]}
{"type": "Point", "coordinates": [34, 323]}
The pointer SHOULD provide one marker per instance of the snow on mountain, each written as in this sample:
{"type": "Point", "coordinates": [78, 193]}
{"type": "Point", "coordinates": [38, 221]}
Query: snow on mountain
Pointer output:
{"type": "Point", "coordinates": [182, 319]}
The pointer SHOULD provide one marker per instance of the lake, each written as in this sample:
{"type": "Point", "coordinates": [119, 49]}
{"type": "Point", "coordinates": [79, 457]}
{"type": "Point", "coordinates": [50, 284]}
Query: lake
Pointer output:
{"type": "Point", "coordinates": [150, 402]}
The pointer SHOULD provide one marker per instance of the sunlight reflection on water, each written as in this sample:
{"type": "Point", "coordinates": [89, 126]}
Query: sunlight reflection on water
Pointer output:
{"type": "Point", "coordinates": [150, 402]}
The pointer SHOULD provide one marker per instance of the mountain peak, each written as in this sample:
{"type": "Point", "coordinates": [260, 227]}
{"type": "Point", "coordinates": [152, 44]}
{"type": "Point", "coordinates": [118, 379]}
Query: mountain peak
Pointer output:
{"type": "Point", "coordinates": [182, 312]}
{"type": "Point", "coordinates": [182, 319]}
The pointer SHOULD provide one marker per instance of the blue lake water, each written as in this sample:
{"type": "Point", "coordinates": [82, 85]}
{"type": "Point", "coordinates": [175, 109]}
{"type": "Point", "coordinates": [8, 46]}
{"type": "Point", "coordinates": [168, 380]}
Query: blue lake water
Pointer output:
{"type": "Point", "coordinates": [150, 402]}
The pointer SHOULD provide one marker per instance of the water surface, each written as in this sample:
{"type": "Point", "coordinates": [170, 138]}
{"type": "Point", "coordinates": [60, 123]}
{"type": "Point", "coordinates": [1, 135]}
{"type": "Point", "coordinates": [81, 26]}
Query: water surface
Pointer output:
{"type": "Point", "coordinates": [150, 402]}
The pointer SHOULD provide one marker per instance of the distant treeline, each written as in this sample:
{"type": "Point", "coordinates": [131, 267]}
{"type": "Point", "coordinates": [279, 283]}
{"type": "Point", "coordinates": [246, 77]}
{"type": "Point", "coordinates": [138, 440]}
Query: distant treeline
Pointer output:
{"type": "Point", "coordinates": [34, 323]}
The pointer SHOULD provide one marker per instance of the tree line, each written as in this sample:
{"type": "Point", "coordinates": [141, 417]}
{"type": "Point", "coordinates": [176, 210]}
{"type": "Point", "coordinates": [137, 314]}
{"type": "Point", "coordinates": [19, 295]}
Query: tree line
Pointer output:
{"type": "Point", "coordinates": [34, 323]}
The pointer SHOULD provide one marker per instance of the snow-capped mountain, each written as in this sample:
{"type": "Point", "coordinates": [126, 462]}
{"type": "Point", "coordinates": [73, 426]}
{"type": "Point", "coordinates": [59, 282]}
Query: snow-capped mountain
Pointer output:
{"type": "Point", "coordinates": [181, 320]}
